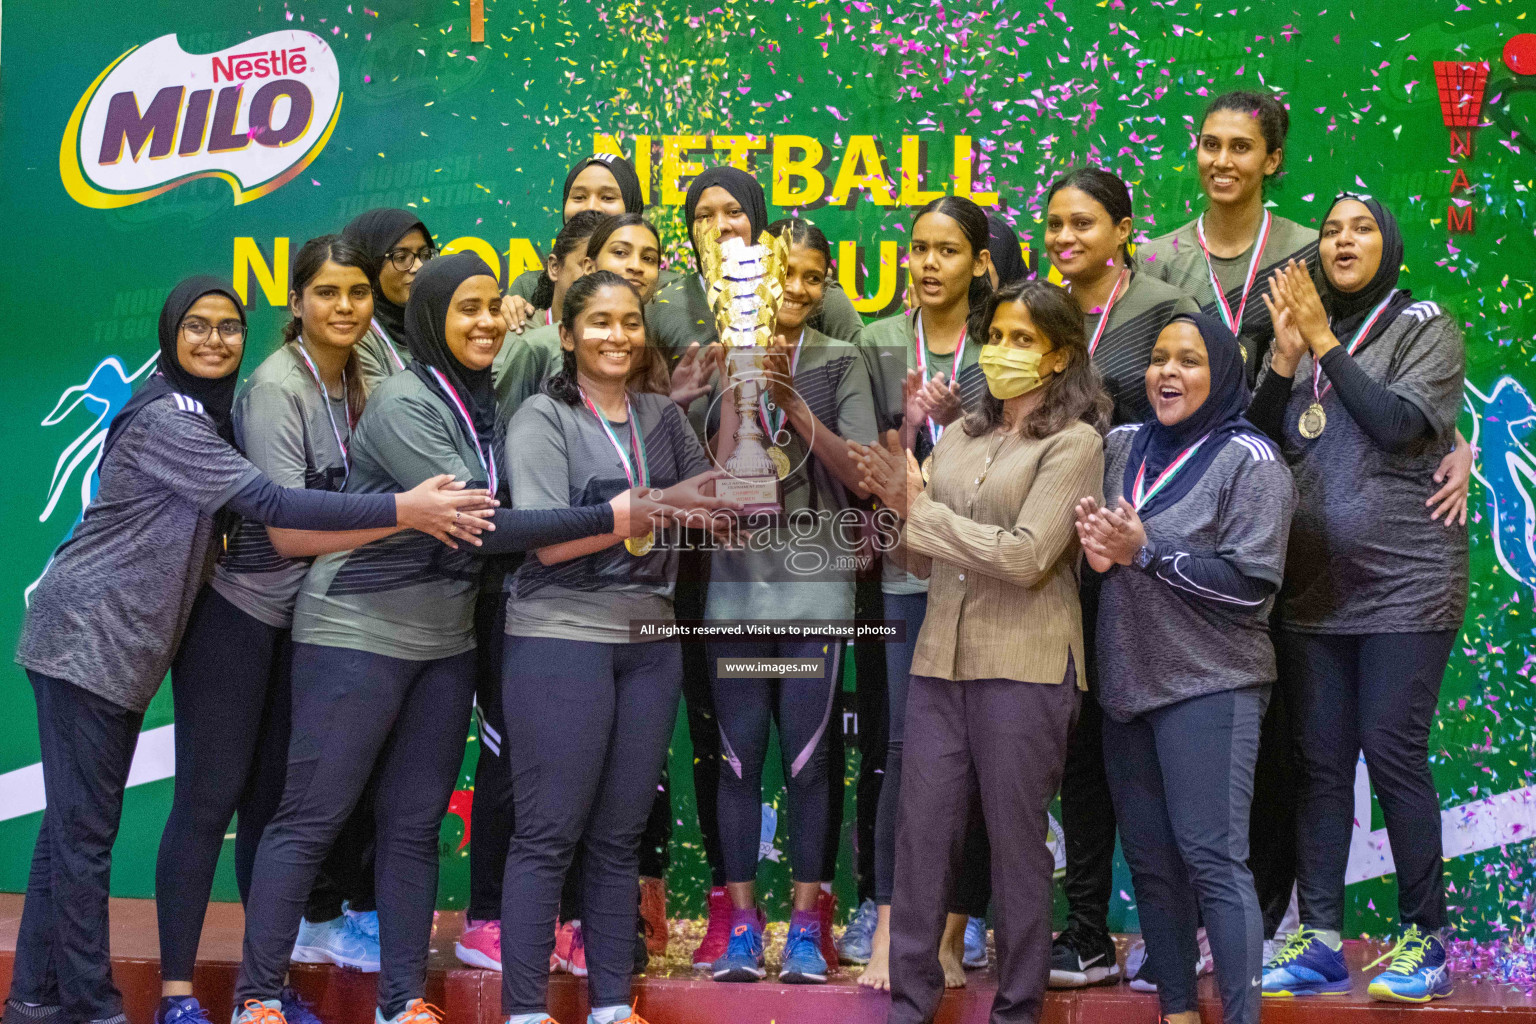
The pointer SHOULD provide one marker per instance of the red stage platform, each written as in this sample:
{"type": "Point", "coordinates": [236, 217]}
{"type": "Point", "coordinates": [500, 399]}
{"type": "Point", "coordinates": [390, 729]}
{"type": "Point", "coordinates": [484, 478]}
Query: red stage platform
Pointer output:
{"type": "Point", "coordinates": [678, 996]}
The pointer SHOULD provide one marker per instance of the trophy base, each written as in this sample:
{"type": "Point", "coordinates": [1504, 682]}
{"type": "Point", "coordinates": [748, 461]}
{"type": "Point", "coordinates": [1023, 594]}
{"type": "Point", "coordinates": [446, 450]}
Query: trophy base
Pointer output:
{"type": "Point", "coordinates": [754, 494]}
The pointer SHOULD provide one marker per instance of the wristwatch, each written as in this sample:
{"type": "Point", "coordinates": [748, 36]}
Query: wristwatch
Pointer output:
{"type": "Point", "coordinates": [1144, 558]}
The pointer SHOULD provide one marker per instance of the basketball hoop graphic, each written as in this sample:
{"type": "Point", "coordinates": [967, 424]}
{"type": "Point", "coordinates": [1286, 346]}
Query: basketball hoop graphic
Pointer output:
{"type": "Point", "coordinates": [1461, 91]}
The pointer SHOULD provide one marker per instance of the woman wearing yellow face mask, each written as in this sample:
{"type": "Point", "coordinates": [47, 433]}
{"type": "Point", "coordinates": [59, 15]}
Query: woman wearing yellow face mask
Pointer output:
{"type": "Point", "coordinates": [993, 693]}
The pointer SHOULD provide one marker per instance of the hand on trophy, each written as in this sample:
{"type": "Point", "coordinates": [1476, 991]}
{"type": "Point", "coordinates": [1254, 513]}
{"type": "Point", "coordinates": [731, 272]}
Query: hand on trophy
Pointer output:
{"type": "Point", "coordinates": [776, 375]}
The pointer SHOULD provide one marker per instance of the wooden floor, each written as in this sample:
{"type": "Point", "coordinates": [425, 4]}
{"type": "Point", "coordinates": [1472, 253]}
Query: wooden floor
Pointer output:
{"type": "Point", "coordinates": [679, 996]}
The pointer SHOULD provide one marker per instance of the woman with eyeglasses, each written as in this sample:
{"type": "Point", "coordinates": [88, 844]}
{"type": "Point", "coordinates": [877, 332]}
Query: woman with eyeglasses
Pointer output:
{"type": "Point", "coordinates": [397, 245]}
{"type": "Point", "coordinates": [108, 615]}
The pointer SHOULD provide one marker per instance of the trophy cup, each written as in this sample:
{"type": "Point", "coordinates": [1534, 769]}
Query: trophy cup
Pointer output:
{"type": "Point", "coordinates": [745, 286]}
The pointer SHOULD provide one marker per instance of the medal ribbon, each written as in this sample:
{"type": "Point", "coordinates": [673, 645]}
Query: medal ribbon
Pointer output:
{"type": "Point", "coordinates": [773, 423]}
{"type": "Point", "coordinates": [487, 460]}
{"type": "Point", "coordinates": [635, 439]}
{"type": "Point", "coordinates": [1141, 494]}
{"type": "Point", "coordinates": [1098, 332]}
{"type": "Point", "coordinates": [346, 462]}
{"type": "Point", "coordinates": [1234, 323]}
{"type": "Point", "coordinates": [1354, 343]}
{"type": "Point", "coordinates": [935, 431]}
{"type": "Point", "coordinates": [394, 353]}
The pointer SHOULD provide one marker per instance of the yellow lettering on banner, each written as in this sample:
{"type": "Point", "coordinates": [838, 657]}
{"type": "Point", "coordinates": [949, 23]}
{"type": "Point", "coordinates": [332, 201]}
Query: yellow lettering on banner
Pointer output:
{"type": "Point", "coordinates": [480, 247]}
{"type": "Point", "coordinates": [785, 166]}
{"type": "Point", "coordinates": [885, 286]}
{"type": "Point", "coordinates": [641, 161]}
{"type": "Point", "coordinates": [738, 147]}
{"type": "Point", "coordinates": [963, 174]}
{"type": "Point", "coordinates": [912, 191]}
{"type": "Point", "coordinates": [863, 168]}
{"type": "Point", "coordinates": [674, 164]}
{"type": "Point", "coordinates": [273, 280]}
{"type": "Point", "coordinates": [522, 256]}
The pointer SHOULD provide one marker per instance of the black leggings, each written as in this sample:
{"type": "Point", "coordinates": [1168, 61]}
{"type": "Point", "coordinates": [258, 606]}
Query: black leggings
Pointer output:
{"type": "Point", "coordinates": [1377, 694]}
{"type": "Point", "coordinates": [586, 748]}
{"type": "Point", "coordinates": [357, 715]}
{"type": "Point", "coordinates": [699, 703]}
{"type": "Point", "coordinates": [744, 708]}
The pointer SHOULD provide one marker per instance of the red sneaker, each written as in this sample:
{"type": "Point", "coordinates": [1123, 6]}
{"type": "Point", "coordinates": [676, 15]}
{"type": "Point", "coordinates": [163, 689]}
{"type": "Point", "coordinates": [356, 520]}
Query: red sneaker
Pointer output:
{"type": "Point", "coordinates": [653, 911]}
{"type": "Point", "coordinates": [570, 955]}
{"type": "Point", "coordinates": [718, 935]}
{"type": "Point", "coordinates": [826, 909]}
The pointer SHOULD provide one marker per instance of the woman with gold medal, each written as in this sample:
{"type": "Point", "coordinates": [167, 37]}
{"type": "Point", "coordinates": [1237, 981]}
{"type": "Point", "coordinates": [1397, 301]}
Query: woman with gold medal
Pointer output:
{"type": "Point", "coordinates": [800, 566]}
{"type": "Point", "coordinates": [1362, 394]}
{"type": "Point", "coordinates": [925, 374]}
{"type": "Point", "coordinates": [595, 701]}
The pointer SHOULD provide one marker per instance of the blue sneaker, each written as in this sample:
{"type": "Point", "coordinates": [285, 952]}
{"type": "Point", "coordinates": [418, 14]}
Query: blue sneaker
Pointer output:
{"type": "Point", "coordinates": [297, 1009]}
{"type": "Point", "coordinates": [743, 960]}
{"type": "Point", "coordinates": [1306, 967]}
{"type": "Point", "coordinates": [365, 921]}
{"type": "Point", "coordinates": [338, 942]}
{"type": "Point", "coordinates": [975, 956]}
{"type": "Point", "coordinates": [1418, 972]}
{"type": "Point", "coordinates": [855, 945]}
{"type": "Point", "coordinates": [180, 1010]}
{"type": "Point", "coordinates": [803, 962]}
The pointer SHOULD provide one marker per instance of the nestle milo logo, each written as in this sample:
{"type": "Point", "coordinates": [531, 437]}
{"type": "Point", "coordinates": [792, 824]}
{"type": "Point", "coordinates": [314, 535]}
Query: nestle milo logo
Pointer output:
{"type": "Point", "coordinates": [254, 115]}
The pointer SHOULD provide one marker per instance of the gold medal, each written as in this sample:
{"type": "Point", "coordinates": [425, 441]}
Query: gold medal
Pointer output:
{"type": "Point", "coordinates": [640, 546]}
{"type": "Point", "coordinates": [780, 461]}
{"type": "Point", "coordinates": [927, 468]}
{"type": "Point", "coordinates": [1313, 421]}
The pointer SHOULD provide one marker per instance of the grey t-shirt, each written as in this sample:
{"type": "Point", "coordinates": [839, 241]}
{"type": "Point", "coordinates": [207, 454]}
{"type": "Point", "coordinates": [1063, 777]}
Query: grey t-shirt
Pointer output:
{"type": "Point", "coordinates": [109, 612]}
{"type": "Point", "coordinates": [407, 596]}
{"type": "Point", "coordinates": [1177, 259]}
{"type": "Point", "coordinates": [890, 350]}
{"type": "Point", "coordinates": [559, 456]}
{"type": "Point", "coordinates": [1157, 644]}
{"type": "Point", "coordinates": [1364, 556]}
{"type": "Point", "coordinates": [282, 426]}
{"type": "Point", "coordinates": [802, 566]}
{"type": "Point", "coordinates": [1125, 349]}
{"type": "Point", "coordinates": [379, 357]}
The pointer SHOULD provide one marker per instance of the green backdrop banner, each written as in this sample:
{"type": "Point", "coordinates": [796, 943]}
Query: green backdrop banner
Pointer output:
{"type": "Point", "coordinates": [176, 136]}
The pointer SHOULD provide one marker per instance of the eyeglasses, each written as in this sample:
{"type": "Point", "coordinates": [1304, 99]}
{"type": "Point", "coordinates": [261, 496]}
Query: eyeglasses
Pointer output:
{"type": "Point", "coordinates": [198, 330]}
{"type": "Point", "coordinates": [405, 259]}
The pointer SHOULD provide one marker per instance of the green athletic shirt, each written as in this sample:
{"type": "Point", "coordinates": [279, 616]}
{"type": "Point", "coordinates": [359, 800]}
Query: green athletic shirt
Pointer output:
{"type": "Point", "coordinates": [523, 364]}
{"type": "Point", "coordinates": [1122, 355]}
{"type": "Point", "coordinates": [1177, 259]}
{"type": "Point", "coordinates": [526, 283]}
{"type": "Point", "coordinates": [377, 358]}
{"type": "Point", "coordinates": [282, 426]}
{"type": "Point", "coordinates": [802, 567]}
{"type": "Point", "coordinates": [890, 350]}
{"type": "Point", "coordinates": [408, 596]}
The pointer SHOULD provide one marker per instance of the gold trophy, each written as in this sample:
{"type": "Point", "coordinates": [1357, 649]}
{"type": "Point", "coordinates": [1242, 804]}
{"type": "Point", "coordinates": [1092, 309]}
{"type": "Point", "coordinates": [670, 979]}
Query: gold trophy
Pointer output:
{"type": "Point", "coordinates": [745, 285]}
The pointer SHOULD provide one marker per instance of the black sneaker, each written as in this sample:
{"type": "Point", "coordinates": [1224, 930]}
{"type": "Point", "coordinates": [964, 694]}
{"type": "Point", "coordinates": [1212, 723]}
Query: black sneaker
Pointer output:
{"type": "Point", "coordinates": [1078, 961]}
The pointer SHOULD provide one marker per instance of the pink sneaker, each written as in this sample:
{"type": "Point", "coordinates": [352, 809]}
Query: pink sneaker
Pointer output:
{"type": "Point", "coordinates": [570, 955]}
{"type": "Point", "coordinates": [480, 944]}
{"type": "Point", "coordinates": [718, 935]}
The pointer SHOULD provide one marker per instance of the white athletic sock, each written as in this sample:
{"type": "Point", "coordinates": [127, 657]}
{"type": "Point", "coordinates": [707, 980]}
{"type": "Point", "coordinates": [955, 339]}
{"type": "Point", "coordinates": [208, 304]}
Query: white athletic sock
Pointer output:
{"type": "Point", "coordinates": [1330, 938]}
{"type": "Point", "coordinates": [609, 1014]}
{"type": "Point", "coordinates": [527, 1018]}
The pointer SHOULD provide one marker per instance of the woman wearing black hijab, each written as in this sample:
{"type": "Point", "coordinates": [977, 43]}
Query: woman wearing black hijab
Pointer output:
{"type": "Point", "coordinates": [604, 182]}
{"type": "Point", "coordinates": [108, 615]}
{"type": "Point", "coordinates": [1190, 546]}
{"type": "Point", "coordinates": [398, 244]}
{"type": "Point", "coordinates": [384, 649]}
{"type": "Point", "coordinates": [1363, 394]}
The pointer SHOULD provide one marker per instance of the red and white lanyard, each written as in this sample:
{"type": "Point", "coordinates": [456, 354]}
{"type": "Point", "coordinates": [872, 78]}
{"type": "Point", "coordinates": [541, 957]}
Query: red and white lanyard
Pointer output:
{"type": "Point", "coordinates": [631, 471]}
{"type": "Point", "coordinates": [1354, 343]}
{"type": "Point", "coordinates": [325, 394]}
{"type": "Point", "coordinates": [1234, 322]}
{"type": "Point", "coordinates": [1141, 494]}
{"type": "Point", "coordinates": [935, 430]}
{"type": "Point", "coordinates": [394, 353]}
{"type": "Point", "coordinates": [1114, 295]}
{"type": "Point", "coordinates": [487, 458]}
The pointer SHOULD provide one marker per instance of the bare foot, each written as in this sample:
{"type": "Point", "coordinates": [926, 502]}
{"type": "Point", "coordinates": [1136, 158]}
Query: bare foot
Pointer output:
{"type": "Point", "coordinates": [952, 951]}
{"type": "Point", "coordinates": [877, 973]}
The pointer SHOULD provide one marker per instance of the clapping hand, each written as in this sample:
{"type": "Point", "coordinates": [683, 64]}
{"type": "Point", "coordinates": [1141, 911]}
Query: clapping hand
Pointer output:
{"type": "Point", "coordinates": [1110, 536]}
